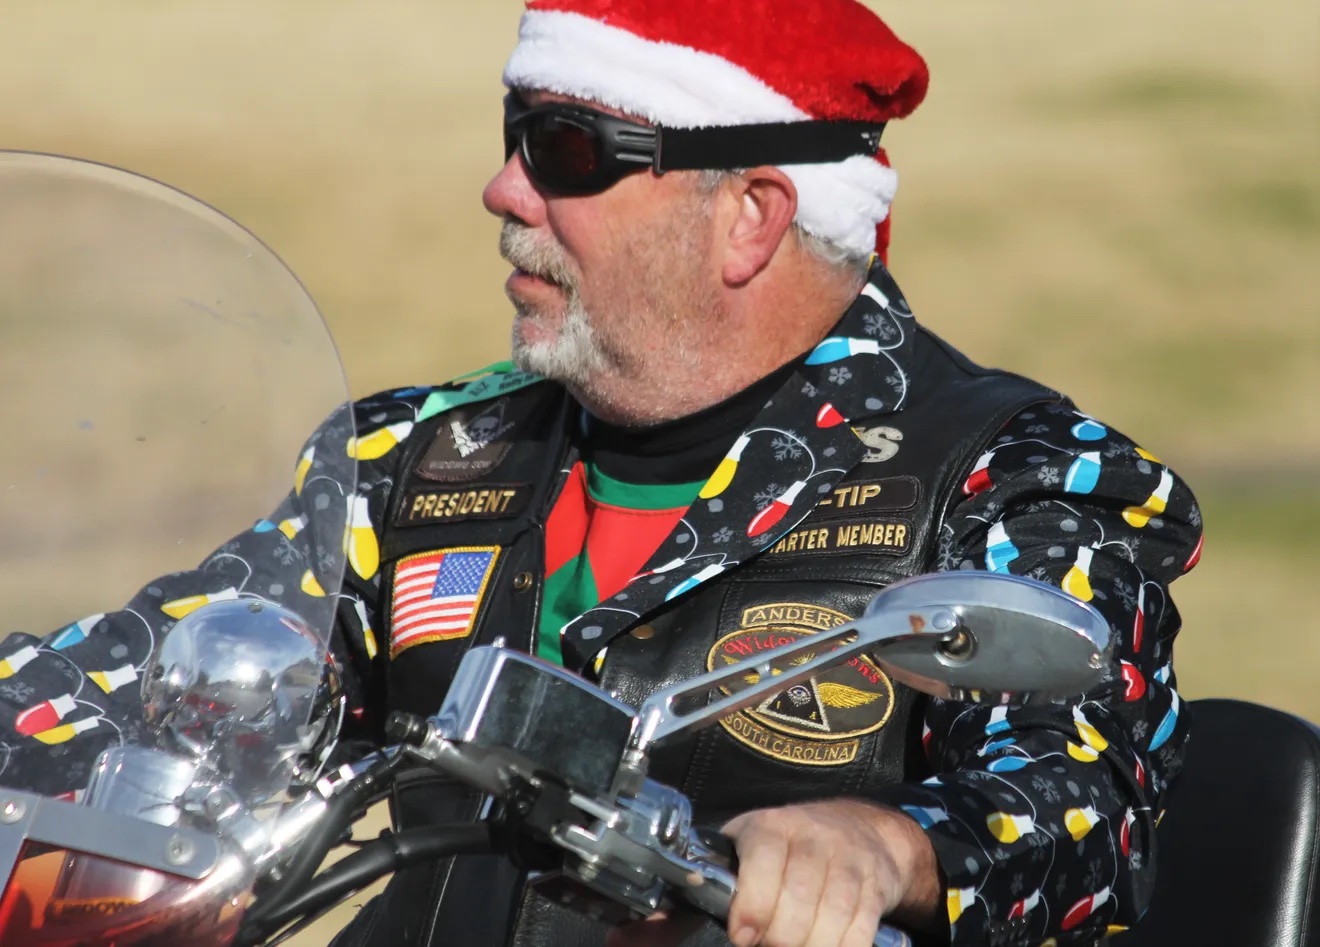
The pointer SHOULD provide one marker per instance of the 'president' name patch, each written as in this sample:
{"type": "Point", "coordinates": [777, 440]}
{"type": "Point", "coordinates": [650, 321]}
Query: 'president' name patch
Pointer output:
{"type": "Point", "coordinates": [489, 502]}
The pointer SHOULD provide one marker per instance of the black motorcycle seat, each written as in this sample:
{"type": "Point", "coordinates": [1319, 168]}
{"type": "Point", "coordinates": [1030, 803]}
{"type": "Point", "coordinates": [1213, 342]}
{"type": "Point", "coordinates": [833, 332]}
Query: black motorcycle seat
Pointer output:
{"type": "Point", "coordinates": [1239, 850]}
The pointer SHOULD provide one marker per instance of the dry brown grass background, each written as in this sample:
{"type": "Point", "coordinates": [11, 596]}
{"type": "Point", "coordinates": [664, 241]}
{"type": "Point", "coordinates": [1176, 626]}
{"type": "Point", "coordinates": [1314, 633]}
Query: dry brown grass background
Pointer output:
{"type": "Point", "coordinates": [1120, 199]}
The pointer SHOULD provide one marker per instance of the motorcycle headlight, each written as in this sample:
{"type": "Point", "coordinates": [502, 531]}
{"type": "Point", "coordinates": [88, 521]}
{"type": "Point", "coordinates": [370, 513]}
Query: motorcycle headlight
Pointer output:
{"type": "Point", "coordinates": [248, 690]}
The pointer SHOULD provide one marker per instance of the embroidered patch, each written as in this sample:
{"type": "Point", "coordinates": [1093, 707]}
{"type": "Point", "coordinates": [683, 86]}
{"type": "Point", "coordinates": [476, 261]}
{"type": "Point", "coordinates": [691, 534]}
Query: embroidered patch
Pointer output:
{"type": "Point", "coordinates": [882, 443]}
{"type": "Point", "coordinates": [437, 595]}
{"type": "Point", "coordinates": [469, 445]}
{"type": "Point", "coordinates": [889, 537]}
{"type": "Point", "coordinates": [482, 389]}
{"type": "Point", "coordinates": [887, 494]}
{"type": "Point", "coordinates": [819, 722]}
{"type": "Point", "coordinates": [491, 502]}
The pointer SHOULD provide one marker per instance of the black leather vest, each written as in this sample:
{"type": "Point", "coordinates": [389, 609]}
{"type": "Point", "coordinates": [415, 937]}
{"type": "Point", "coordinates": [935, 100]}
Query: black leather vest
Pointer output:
{"type": "Point", "coordinates": [850, 732]}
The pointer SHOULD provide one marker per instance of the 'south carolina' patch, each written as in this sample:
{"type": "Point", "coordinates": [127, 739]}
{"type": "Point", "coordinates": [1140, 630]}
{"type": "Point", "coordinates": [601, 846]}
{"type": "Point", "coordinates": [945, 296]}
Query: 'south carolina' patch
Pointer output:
{"type": "Point", "coordinates": [819, 722]}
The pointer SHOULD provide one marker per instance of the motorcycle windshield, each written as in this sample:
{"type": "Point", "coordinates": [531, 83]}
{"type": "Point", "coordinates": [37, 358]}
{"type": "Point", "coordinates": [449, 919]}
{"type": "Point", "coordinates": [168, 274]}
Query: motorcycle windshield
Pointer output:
{"type": "Point", "coordinates": [168, 568]}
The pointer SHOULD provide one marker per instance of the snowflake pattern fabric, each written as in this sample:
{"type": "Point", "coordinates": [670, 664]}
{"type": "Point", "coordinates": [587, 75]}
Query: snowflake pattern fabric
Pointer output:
{"type": "Point", "coordinates": [1046, 814]}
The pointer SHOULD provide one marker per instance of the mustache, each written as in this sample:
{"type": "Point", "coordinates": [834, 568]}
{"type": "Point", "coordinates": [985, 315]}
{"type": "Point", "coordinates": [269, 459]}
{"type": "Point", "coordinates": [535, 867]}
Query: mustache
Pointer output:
{"type": "Point", "coordinates": [520, 246]}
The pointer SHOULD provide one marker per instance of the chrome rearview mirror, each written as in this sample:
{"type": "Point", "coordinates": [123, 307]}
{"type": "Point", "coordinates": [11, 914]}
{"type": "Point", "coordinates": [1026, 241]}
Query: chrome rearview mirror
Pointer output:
{"type": "Point", "coordinates": [1012, 640]}
{"type": "Point", "coordinates": [972, 636]}
{"type": "Point", "coordinates": [979, 637]}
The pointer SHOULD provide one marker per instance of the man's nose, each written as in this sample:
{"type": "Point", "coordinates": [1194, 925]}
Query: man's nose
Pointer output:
{"type": "Point", "coordinates": [511, 194]}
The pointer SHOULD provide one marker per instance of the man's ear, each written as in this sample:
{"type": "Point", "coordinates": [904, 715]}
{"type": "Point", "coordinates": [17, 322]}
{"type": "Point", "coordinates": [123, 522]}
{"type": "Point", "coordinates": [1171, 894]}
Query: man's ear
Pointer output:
{"type": "Point", "coordinates": [766, 205]}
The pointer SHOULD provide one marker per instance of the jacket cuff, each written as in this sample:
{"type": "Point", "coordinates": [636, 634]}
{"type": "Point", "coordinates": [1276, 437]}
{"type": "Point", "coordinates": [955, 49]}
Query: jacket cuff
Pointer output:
{"type": "Point", "coordinates": [986, 907]}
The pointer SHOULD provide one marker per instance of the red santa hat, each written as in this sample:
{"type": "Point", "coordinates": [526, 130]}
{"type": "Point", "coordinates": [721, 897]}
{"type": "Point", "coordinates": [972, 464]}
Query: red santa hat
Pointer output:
{"type": "Point", "coordinates": [700, 64]}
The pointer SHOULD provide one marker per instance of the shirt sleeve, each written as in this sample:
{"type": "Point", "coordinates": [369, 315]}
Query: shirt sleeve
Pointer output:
{"type": "Point", "coordinates": [68, 695]}
{"type": "Point", "coordinates": [1042, 817]}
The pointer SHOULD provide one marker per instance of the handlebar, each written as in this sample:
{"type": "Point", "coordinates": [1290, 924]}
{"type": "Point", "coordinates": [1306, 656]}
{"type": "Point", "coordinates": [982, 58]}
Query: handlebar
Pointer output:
{"type": "Point", "coordinates": [710, 852]}
{"type": "Point", "coordinates": [615, 843]}
{"type": "Point", "coordinates": [392, 852]}
{"type": "Point", "coordinates": [635, 850]}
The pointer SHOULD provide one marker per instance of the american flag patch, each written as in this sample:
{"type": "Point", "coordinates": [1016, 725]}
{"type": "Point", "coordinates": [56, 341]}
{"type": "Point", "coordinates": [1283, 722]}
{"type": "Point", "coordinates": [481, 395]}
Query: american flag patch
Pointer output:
{"type": "Point", "coordinates": [437, 594]}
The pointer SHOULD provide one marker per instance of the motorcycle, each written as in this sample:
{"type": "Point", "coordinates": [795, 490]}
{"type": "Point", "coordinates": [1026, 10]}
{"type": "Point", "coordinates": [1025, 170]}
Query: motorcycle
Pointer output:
{"type": "Point", "coordinates": [211, 821]}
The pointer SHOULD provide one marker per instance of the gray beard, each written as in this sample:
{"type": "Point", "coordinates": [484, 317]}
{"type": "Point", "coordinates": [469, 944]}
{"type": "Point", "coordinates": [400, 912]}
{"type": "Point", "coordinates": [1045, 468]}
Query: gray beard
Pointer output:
{"type": "Point", "coordinates": [572, 359]}
{"type": "Point", "coordinates": [576, 354]}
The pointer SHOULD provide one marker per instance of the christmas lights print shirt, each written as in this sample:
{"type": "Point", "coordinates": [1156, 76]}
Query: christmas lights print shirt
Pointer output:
{"type": "Point", "coordinates": [1041, 817]}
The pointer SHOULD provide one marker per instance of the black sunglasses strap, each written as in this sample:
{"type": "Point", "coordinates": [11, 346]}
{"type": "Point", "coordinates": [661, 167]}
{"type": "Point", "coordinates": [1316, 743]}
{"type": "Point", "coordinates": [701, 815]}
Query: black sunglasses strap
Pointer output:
{"type": "Point", "coordinates": [747, 146]}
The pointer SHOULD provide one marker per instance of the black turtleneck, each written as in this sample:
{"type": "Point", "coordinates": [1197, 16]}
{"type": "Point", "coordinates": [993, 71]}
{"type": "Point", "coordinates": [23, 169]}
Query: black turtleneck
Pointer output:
{"type": "Point", "coordinates": [684, 450]}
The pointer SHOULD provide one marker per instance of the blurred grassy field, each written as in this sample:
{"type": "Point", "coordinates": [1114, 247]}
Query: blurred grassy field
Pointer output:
{"type": "Point", "coordinates": [1120, 199]}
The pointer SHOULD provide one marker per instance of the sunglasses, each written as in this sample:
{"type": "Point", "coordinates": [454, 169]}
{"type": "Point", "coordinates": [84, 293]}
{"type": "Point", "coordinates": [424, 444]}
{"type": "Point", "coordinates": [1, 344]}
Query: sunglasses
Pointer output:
{"type": "Point", "coordinates": [573, 150]}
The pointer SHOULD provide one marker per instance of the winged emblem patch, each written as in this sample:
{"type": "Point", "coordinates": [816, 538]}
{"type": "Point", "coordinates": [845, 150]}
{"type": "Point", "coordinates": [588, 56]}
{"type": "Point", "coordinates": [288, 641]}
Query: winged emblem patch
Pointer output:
{"type": "Point", "coordinates": [817, 722]}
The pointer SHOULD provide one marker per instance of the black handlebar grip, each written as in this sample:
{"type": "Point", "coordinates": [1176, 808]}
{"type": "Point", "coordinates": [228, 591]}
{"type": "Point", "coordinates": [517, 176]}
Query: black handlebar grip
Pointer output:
{"type": "Point", "coordinates": [406, 728]}
{"type": "Point", "coordinates": [719, 845]}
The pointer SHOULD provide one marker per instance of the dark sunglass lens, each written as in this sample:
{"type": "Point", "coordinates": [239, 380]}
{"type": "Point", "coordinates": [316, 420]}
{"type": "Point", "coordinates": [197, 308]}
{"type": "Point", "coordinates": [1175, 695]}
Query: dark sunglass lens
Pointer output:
{"type": "Point", "coordinates": [563, 155]}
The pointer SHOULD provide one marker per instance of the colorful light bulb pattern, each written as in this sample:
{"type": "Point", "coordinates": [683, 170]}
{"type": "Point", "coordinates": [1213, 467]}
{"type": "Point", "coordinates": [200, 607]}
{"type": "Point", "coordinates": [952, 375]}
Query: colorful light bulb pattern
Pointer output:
{"type": "Point", "coordinates": [75, 633]}
{"type": "Point", "coordinates": [1045, 499]}
{"type": "Point", "coordinates": [774, 512]}
{"type": "Point", "coordinates": [44, 710]}
{"type": "Point", "coordinates": [1040, 830]}
{"type": "Point", "coordinates": [1055, 483]}
{"type": "Point", "coordinates": [728, 467]}
{"type": "Point", "coordinates": [1064, 499]}
{"type": "Point", "coordinates": [1015, 786]}
{"type": "Point", "coordinates": [879, 325]}
{"type": "Point", "coordinates": [837, 349]}
{"type": "Point", "coordinates": [379, 442]}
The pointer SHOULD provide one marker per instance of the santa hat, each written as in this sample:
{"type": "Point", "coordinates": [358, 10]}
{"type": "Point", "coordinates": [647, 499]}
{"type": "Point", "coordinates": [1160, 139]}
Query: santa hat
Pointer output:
{"type": "Point", "coordinates": [700, 64]}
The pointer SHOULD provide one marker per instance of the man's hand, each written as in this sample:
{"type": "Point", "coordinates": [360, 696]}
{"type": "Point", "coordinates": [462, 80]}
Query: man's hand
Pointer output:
{"type": "Point", "coordinates": [821, 874]}
{"type": "Point", "coordinates": [824, 874]}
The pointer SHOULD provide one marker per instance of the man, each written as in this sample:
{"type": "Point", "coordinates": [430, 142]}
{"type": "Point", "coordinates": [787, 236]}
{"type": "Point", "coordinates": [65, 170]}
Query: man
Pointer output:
{"type": "Point", "coordinates": [726, 431]}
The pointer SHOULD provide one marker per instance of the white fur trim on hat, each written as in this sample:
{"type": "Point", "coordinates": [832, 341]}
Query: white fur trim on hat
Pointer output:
{"type": "Point", "coordinates": [681, 87]}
